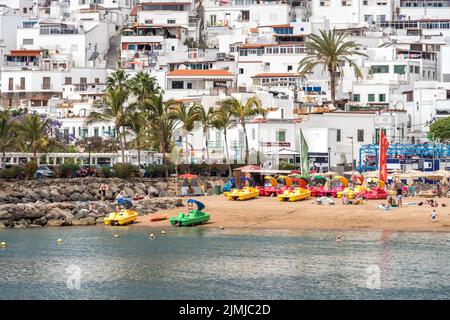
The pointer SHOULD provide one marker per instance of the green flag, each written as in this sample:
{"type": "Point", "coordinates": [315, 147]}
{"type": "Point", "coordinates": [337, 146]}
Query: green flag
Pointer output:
{"type": "Point", "coordinates": [304, 156]}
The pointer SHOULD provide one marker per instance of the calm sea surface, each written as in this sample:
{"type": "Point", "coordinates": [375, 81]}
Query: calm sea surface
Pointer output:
{"type": "Point", "coordinates": [209, 263]}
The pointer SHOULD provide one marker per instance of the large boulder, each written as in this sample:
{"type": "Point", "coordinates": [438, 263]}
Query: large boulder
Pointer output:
{"type": "Point", "coordinates": [128, 192]}
{"type": "Point", "coordinates": [58, 213]}
{"type": "Point", "coordinates": [83, 222]}
{"type": "Point", "coordinates": [44, 194]}
{"type": "Point", "coordinates": [32, 195]}
{"type": "Point", "coordinates": [40, 221]}
{"type": "Point", "coordinates": [76, 197]}
{"type": "Point", "coordinates": [55, 223]}
{"type": "Point", "coordinates": [82, 213]}
{"type": "Point", "coordinates": [161, 185]}
{"type": "Point", "coordinates": [5, 215]}
{"type": "Point", "coordinates": [54, 192]}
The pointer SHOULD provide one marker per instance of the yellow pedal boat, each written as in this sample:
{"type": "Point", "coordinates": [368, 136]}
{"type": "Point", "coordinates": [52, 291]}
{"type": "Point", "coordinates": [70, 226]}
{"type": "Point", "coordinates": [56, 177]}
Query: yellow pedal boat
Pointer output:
{"type": "Point", "coordinates": [246, 193]}
{"type": "Point", "coordinates": [296, 195]}
{"type": "Point", "coordinates": [121, 218]}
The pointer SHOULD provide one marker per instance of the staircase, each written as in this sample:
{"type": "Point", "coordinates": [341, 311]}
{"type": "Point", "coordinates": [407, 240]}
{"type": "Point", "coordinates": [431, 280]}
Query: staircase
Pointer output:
{"type": "Point", "coordinates": [173, 188]}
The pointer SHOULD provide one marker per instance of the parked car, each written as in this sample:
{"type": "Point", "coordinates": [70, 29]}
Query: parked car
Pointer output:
{"type": "Point", "coordinates": [82, 171]}
{"type": "Point", "coordinates": [45, 171]}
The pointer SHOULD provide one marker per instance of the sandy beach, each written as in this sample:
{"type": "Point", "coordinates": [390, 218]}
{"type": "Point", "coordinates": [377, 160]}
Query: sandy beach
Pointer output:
{"type": "Point", "coordinates": [267, 212]}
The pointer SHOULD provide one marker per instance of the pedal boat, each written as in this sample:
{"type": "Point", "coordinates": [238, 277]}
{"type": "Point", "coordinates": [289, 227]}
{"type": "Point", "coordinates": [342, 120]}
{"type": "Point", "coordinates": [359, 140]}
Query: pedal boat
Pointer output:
{"type": "Point", "coordinates": [121, 218]}
{"type": "Point", "coordinates": [297, 194]}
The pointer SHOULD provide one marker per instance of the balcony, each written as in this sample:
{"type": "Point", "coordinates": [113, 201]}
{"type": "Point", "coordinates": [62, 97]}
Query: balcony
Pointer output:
{"type": "Point", "coordinates": [46, 87]}
{"type": "Point", "coordinates": [442, 107]}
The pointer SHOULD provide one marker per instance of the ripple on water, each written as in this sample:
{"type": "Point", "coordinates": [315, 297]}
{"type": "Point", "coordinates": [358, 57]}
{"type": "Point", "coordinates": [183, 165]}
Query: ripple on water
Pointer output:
{"type": "Point", "coordinates": [206, 263]}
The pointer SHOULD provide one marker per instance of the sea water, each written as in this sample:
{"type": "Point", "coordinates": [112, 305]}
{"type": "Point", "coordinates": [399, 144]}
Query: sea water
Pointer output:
{"type": "Point", "coordinates": [210, 263]}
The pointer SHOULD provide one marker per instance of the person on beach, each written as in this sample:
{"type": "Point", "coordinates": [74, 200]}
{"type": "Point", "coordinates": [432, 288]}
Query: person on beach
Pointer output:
{"type": "Point", "coordinates": [433, 216]}
{"type": "Point", "coordinates": [439, 190]}
{"type": "Point", "coordinates": [399, 196]}
{"type": "Point", "coordinates": [102, 191]}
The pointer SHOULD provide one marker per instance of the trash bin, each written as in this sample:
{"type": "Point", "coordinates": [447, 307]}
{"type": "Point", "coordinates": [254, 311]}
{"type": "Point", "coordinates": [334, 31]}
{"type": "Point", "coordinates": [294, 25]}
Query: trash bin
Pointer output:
{"type": "Point", "coordinates": [217, 190]}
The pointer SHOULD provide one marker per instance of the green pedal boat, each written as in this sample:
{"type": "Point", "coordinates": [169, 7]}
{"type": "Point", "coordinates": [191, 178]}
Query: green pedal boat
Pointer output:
{"type": "Point", "coordinates": [195, 216]}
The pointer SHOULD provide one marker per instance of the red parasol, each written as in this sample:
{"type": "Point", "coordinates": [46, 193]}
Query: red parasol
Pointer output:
{"type": "Point", "coordinates": [187, 176]}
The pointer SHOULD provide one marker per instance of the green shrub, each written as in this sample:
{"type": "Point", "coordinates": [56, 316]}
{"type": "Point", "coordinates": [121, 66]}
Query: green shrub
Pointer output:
{"type": "Point", "coordinates": [287, 166]}
{"type": "Point", "coordinates": [125, 170]}
{"type": "Point", "coordinates": [68, 168]}
{"type": "Point", "coordinates": [30, 169]}
{"type": "Point", "coordinates": [15, 172]}
{"type": "Point", "coordinates": [106, 172]}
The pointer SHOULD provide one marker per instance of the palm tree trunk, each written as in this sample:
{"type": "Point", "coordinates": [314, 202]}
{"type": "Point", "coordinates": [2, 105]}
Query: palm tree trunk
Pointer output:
{"type": "Point", "coordinates": [124, 138]}
{"type": "Point", "coordinates": [205, 133]}
{"type": "Point", "coordinates": [333, 86]}
{"type": "Point", "coordinates": [228, 155]}
{"type": "Point", "coordinates": [246, 142]}
{"type": "Point", "coordinates": [138, 145]}
{"type": "Point", "coordinates": [122, 149]}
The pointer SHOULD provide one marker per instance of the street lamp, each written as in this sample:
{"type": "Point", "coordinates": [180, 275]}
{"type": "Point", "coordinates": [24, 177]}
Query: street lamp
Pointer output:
{"type": "Point", "coordinates": [353, 162]}
{"type": "Point", "coordinates": [329, 158]}
{"type": "Point", "coordinates": [89, 142]}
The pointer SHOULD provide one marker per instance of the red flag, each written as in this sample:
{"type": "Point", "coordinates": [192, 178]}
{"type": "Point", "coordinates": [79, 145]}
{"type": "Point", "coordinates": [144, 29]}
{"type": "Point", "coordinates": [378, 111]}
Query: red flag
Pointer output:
{"type": "Point", "coordinates": [382, 165]}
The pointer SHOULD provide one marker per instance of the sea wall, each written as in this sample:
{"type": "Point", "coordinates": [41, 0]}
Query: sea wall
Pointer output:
{"type": "Point", "coordinates": [65, 202]}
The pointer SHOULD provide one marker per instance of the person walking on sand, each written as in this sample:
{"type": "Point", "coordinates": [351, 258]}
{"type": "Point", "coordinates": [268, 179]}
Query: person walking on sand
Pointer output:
{"type": "Point", "coordinates": [399, 196]}
{"type": "Point", "coordinates": [433, 216]}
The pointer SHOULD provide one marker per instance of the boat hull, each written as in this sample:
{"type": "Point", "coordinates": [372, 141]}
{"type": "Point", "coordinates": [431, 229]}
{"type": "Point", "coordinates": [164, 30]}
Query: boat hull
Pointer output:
{"type": "Point", "coordinates": [193, 218]}
{"type": "Point", "coordinates": [293, 196]}
{"type": "Point", "coordinates": [121, 218]}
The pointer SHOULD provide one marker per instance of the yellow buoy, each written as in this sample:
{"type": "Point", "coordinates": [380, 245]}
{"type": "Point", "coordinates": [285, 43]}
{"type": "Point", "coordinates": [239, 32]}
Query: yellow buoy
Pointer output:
{"type": "Point", "coordinates": [2, 244]}
{"type": "Point", "coordinates": [152, 236]}
{"type": "Point", "coordinates": [59, 241]}
{"type": "Point", "coordinates": [163, 232]}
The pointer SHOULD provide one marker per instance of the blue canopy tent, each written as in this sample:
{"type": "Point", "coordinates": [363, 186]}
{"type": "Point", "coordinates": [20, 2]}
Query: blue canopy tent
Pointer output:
{"type": "Point", "coordinates": [251, 183]}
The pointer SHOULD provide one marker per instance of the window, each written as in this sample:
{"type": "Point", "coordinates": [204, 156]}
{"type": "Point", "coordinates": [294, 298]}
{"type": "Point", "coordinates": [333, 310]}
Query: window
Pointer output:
{"type": "Point", "coordinates": [170, 21]}
{"type": "Point", "coordinates": [10, 84]}
{"type": "Point", "coordinates": [253, 133]}
{"type": "Point", "coordinates": [417, 69]}
{"type": "Point", "coordinates": [411, 69]}
{"type": "Point", "coordinates": [448, 94]}
{"type": "Point", "coordinates": [177, 84]}
{"type": "Point", "coordinates": [377, 135]}
{"type": "Point", "coordinates": [371, 97]}
{"type": "Point", "coordinates": [379, 69]}
{"type": "Point", "coordinates": [68, 80]}
{"type": "Point", "coordinates": [360, 135]}
{"type": "Point", "coordinates": [400, 69]}
{"type": "Point", "coordinates": [96, 132]}
{"type": "Point", "coordinates": [97, 80]}
{"type": "Point", "coordinates": [46, 83]}
{"type": "Point", "coordinates": [382, 97]}
{"type": "Point", "coordinates": [27, 41]}
{"type": "Point", "coordinates": [357, 97]}
{"type": "Point", "coordinates": [289, 68]}
{"type": "Point", "coordinates": [281, 136]}
{"type": "Point", "coordinates": [189, 85]}
{"type": "Point", "coordinates": [22, 83]}
{"type": "Point", "coordinates": [338, 135]}
{"type": "Point", "coordinates": [241, 70]}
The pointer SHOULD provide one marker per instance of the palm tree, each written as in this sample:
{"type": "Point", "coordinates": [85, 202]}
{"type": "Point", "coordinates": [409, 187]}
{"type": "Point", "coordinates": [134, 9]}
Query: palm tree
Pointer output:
{"type": "Point", "coordinates": [251, 107]}
{"type": "Point", "coordinates": [187, 117]}
{"type": "Point", "coordinates": [142, 85]}
{"type": "Point", "coordinates": [205, 118]}
{"type": "Point", "coordinates": [32, 129]}
{"type": "Point", "coordinates": [118, 80]}
{"type": "Point", "coordinates": [221, 120]}
{"type": "Point", "coordinates": [137, 125]}
{"type": "Point", "coordinates": [161, 124]}
{"type": "Point", "coordinates": [330, 49]}
{"type": "Point", "coordinates": [7, 136]}
{"type": "Point", "coordinates": [112, 108]}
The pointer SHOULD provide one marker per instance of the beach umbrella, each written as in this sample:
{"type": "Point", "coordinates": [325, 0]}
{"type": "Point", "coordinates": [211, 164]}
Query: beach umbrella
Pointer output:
{"type": "Point", "coordinates": [188, 176]}
{"type": "Point", "coordinates": [435, 177]}
{"type": "Point", "coordinates": [272, 180]}
{"type": "Point", "coordinates": [342, 179]}
{"type": "Point", "coordinates": [414, 174]}
{"type": "Point", "coordinates": [443, 173]}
